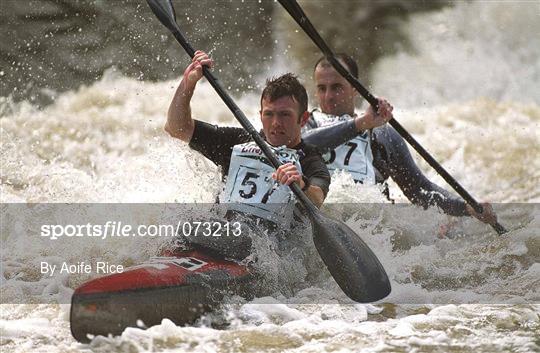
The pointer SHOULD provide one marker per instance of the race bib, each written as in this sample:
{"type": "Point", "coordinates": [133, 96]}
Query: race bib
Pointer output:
{"type": "Point", "coordinates": [354, 156]}
{"type": "Point", "coordinates": [250, 187]}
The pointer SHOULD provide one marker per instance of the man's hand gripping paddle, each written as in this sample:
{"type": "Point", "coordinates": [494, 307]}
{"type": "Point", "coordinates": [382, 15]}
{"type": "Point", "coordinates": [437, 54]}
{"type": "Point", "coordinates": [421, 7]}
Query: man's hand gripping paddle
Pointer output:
{"type": "Point", "coordinates": [351, 262]}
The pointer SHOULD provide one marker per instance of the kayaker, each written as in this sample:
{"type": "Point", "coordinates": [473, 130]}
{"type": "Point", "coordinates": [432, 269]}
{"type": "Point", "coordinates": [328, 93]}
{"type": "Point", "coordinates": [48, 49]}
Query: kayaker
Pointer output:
{"type": "Point", "coordinates": [283, 112]}
{"type": "Point", "coordinates": [252, 185]}
{"type": "Point", "coordinates": [369, 150]}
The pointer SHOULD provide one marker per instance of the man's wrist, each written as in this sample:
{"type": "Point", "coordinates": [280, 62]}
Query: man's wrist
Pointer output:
{"type": "Point", "coordinates": [188, 86]}
{"type": "Point", "coordinates": [361, 124]}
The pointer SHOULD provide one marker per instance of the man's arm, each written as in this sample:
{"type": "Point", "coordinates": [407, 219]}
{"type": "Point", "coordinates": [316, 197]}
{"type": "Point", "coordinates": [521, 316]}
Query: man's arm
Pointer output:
{"type": "Point", "coordinates": [332, 136]}
{"type": "Point", "coordinates": [400, 166]}
{"type": "Point", "coordinates": [414, 184]}
{"type": "Point", "coordinates": [179, 121]}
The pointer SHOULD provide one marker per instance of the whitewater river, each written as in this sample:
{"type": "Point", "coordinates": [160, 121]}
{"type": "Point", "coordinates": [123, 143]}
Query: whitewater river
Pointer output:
{"type": "Point", "coordinates": [469, 94]}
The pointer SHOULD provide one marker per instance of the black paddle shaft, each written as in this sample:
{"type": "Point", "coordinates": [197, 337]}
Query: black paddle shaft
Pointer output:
{"type": "Point", "coordinates": [300, 17]}
{"type": "Point", "coordinates": [161, 13]}
{"type": "Point", "coordinates": [350, 261]}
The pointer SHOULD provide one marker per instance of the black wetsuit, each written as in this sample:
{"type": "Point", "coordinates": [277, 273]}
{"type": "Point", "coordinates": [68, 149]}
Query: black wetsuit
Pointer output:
{"type": "Point", "coordinates": [391, 159]}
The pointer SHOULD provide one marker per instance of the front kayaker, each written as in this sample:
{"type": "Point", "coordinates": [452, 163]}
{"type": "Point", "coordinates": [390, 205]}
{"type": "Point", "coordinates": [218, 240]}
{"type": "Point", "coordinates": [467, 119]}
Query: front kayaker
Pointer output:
{"type": "Point", "coordinates": [252, 185]}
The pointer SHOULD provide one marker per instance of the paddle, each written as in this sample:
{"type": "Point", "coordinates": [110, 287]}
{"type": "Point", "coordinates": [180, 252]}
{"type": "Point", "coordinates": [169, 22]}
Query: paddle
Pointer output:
{"type": "Point", "coordinates": [351, 262]}
{"type": "Point", "coordinates": [300, 17]}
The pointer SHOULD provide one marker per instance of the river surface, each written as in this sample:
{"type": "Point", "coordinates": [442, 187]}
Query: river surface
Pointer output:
{"type": "Point", "coordinates": [468, 92]}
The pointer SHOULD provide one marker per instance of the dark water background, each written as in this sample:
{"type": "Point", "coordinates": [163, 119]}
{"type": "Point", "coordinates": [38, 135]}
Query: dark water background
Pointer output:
{"type": "Point", "coordinates": [50, 46]}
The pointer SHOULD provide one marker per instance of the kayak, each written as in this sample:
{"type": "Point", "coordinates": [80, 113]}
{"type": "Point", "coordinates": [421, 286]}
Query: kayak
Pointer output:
{"type": "Point", "coordinates": [180, 285]}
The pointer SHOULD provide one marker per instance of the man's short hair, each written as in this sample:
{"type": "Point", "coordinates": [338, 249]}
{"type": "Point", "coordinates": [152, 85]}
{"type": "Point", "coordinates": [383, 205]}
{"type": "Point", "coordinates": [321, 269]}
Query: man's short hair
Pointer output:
{"type": "Point", "coordinates": [286, 86]}
{"type": "Point", "coordinates": [344, 58]}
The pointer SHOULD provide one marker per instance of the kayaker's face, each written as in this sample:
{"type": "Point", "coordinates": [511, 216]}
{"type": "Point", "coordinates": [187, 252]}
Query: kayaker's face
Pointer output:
{"type": "Point", "coordinates": [336, 96]}
{"type": "Point", "coordinates": [282, 121]}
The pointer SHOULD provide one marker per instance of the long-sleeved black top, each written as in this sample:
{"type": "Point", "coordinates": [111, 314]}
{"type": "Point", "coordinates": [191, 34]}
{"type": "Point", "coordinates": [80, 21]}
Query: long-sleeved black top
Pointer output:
{"type": "Point", "coordinates": [391, 159]}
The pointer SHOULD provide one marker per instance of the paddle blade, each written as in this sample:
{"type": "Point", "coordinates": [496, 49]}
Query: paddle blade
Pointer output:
{"type": "Point", "coordinates": [351, 262]}
{"type": "Point", "coordinates": [164, 11]}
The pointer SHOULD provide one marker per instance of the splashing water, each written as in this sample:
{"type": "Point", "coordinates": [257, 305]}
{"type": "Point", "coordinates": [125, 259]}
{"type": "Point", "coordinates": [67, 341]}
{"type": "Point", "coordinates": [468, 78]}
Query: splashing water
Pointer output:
{"type": "Point", "coordinates": [105, 143]}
